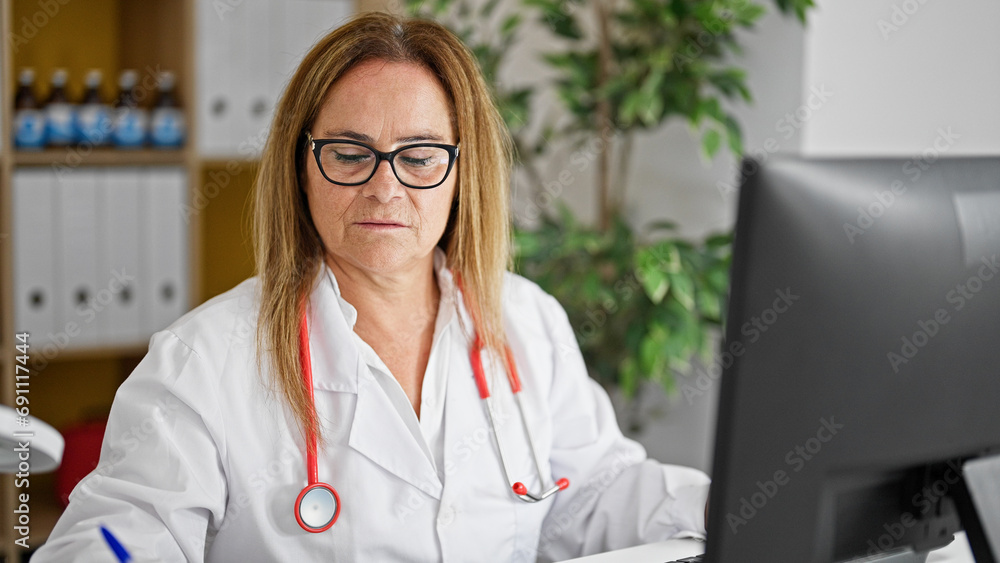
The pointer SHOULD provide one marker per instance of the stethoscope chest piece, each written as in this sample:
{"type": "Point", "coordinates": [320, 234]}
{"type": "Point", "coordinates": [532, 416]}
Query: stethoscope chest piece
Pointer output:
{"type": "Point", "coordinates": [317, 507]}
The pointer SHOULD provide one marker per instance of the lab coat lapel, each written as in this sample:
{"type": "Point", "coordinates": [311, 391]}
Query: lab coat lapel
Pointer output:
{"type": "Point", "coordinates": [380, 435]}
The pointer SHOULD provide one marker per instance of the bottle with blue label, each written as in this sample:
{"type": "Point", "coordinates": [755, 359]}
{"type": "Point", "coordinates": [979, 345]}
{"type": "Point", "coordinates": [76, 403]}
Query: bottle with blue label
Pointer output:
{"type": "Point", "coordinates": [60, 113]}
{"type": "Point", "coordinates": [167, 127]}
{"type": "Point", "coordinates": [94, 116]}
{"type": "Point", "coordinates": [129, 122]}
{"type": "Point", "coordinates": [29, 119]}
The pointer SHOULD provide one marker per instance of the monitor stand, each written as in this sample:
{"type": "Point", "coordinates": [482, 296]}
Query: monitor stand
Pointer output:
{"type": "Point", "coordinates": [978, 502]}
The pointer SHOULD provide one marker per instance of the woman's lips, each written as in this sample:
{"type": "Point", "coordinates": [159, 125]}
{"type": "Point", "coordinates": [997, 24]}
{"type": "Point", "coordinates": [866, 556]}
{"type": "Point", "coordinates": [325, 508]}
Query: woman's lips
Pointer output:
{"type": "Point", "coordinates": [376, 225]}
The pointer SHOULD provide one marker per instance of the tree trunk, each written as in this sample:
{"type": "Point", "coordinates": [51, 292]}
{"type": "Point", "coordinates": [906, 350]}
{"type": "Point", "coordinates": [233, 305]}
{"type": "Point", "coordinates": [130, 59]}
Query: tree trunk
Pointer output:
{"type": "Point", "coordinates": [604, 122]}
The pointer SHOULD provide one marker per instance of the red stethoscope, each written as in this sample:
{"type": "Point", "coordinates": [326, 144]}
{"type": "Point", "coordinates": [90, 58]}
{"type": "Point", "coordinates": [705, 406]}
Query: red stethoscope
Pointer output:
{"type": "Point", "coordinates": [318, 505]}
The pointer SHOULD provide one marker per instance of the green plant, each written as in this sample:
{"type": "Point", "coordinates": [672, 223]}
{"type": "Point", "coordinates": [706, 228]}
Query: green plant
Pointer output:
{"type": "Point", "coordinates": [640, 309]}
{"type": "Point", "coordinates": [642, 303]}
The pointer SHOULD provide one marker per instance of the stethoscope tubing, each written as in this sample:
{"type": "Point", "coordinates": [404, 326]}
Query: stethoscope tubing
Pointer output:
{"type": "Point", "coordinates": [312, 464]}
{"type": "Point", "coordinates": [520, 491]}
{"type": "Point", "coordinates": [305, 358]}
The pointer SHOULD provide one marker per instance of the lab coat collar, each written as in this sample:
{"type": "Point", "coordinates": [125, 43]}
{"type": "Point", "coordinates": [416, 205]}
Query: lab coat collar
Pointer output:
{"type": "Point", "coordinates": [332, 320]}
{"type": "Point", "coordinates": [446, 284]}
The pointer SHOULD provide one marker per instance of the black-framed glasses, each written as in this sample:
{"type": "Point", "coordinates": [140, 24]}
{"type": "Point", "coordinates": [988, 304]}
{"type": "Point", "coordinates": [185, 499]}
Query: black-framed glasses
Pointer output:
{"type": "Point", "coordinates": [351, 163]}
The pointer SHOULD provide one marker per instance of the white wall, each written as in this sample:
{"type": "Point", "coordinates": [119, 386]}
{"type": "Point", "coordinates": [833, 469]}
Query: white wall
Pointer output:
{"type": "Point", "coordinates": [901, 70]}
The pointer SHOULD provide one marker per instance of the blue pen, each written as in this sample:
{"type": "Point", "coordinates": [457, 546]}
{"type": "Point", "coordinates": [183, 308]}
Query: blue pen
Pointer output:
{"type": "Point", "coordinates": [120, 552]}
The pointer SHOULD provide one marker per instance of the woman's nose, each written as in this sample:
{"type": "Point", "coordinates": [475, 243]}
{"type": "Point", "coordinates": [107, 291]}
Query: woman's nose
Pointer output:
{"type": "Point", "coordinates": [383, 185]}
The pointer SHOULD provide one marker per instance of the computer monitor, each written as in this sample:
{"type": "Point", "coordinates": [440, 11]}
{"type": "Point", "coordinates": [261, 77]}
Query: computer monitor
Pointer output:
{"type": "Point", "coordinates": [861, 362]}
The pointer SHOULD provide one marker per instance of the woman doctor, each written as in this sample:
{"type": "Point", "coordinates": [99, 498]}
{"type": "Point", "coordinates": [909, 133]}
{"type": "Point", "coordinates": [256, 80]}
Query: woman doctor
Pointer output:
{"type": "Point", "coordinates": [381, 315]}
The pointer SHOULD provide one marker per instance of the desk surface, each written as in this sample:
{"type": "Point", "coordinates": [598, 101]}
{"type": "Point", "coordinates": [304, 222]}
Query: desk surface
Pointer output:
{"type": "Point", "coordinates": [956, 552]}
{"type": "Point", "coordinates": [654, 552]}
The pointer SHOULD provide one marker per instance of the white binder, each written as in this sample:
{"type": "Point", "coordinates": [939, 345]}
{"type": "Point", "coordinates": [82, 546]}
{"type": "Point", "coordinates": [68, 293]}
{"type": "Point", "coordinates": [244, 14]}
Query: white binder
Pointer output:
{"type": "Point", "coordinates": [77, 281]}
{"type": "Point", "coordinates": [34, 263]}
{"type": "Point", "coordinates": [296, 26]}
{"type": "Point", "coordinates": [278, 72]}
{"type": "Point", "coordinates": [164, 247]}
{"type": "Point", "coordinates": [305, 23]}
{"type": "Point", "coordinates": [245, 55]}
{"type": "Point", "coordinates": [215, 56]}
{"type": "Point", "coordinates": [119, 254]}
{"type": "Point", "coordinates": [252, 103]}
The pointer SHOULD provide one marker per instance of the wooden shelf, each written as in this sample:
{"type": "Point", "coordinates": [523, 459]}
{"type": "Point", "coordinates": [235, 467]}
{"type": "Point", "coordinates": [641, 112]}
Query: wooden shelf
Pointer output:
{"type": "Point", "coordinates": [72, 157]}
{"type": "Point", "coordinates": [148, 36]}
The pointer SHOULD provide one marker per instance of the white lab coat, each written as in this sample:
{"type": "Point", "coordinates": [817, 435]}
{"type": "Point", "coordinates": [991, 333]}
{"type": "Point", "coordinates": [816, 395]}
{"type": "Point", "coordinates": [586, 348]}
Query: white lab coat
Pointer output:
{"type": "Point", "coordinates": [200, 462]}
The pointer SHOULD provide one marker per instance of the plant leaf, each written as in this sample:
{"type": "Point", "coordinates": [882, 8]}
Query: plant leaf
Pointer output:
{"type": "Point", "coordinates": [660, 225]}
{"type": "Point", "coordinates": [510, 24]}
{"type": "Point", "coordinates": [708, 303]}
{"type": "Point", "coordinates": [682, 289]}
{"type": "Point", "coordinates": [629, 376]}
{"type": "Point", "coordinates": [710, 142]}
{"type": "Point", "coordinates": [652, 277]}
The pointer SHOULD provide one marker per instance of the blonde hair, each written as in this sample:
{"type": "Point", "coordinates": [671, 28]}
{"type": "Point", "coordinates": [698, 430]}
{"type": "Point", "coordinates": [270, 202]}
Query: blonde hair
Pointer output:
{"type": "Point", "coordinates": [288, 249]}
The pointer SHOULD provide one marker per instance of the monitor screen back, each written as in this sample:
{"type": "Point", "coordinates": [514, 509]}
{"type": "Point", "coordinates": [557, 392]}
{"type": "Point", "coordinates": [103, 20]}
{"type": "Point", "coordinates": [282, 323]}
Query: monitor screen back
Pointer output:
{"type": "Point", "coordinates": [862, 345]}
